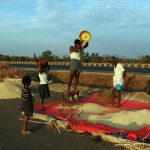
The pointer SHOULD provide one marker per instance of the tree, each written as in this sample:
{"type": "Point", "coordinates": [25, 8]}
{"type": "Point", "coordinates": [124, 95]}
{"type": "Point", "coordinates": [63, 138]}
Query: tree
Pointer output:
{"type": "Point", "coordinates": [145, 59]}
{"type": "Point", "coordinates": [34, 57]}
{"type": "Point", "coordinates": [47, 55]}
{"type": "Point", "coordinates": [66, 58]}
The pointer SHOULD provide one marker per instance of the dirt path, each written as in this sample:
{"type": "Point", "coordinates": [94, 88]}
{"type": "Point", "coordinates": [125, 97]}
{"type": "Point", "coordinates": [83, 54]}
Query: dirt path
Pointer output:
{"type": "Point", "coordinates": [43, 137]}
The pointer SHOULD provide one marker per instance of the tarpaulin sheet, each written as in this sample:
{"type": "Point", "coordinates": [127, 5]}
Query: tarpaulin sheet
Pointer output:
{"type": "Point", "coordinates": [84, 126]}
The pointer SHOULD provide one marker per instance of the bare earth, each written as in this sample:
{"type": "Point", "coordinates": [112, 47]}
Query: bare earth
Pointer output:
{"type": "Point", "coordinates": [43, 137]}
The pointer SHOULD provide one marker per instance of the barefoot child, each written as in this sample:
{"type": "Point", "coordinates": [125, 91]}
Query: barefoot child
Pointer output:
{"type": "Point", "coordinates": [118, 80]}
{"type": "Point", "coordinates": [27, 103]}
{"type": "Point", "coordinates": [43, 87]}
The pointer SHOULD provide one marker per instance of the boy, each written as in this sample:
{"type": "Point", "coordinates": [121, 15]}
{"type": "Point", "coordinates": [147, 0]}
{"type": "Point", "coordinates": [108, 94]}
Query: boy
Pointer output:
{"type": "Point", "coordinates": [75, 63]}
{"type": "Point", "coordinates": [27, 103]}
{"type": "Point", "coordinates": [118, 80]}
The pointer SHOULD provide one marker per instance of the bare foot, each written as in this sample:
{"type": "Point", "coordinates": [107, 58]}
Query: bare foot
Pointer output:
{"type": "Point", "coordinates": [25, 132]}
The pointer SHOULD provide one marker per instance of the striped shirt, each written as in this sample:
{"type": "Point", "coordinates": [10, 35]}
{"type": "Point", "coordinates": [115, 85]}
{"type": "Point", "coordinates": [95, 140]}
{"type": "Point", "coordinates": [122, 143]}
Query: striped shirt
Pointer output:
{"type": "Point", "coordinates": [26, 94]}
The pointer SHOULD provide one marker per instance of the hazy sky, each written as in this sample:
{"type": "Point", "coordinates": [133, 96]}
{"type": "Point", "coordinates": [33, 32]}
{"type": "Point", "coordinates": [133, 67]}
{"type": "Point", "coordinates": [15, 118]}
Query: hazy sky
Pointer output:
{"type": "Point", "coordinates": [118, 27]}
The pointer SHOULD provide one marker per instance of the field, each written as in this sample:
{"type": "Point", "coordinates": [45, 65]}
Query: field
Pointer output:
{"type": "Point", "coordinates": [133, 82]}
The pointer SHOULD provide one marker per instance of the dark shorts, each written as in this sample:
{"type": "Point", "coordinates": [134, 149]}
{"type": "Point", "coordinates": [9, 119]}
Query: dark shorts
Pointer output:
{"type": "Point", "coordinates": [44, 91]}
{"type": "Point", "coordinates": [75, 65]}
{"type": "Point", "coordinates": [27, 108]}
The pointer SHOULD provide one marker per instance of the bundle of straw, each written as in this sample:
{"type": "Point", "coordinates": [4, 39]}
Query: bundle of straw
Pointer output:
{"type": "Point", "coordinates": [128, 144]}
{"type": "Point", "coordinates": [59, 124]}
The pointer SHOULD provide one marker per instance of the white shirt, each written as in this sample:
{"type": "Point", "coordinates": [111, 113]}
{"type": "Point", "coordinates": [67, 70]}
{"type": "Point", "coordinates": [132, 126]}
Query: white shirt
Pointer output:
{"type": "Point", "coordinates": [118, 75]}
{"type": "Point", "coordinates": [43, 78]}
{"type": "Point", "coordinates": [75, 55]}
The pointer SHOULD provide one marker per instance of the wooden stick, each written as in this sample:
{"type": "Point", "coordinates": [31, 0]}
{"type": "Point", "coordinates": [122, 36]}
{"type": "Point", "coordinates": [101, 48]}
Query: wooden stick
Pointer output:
{"type": "Point", "coordinates": [35, 121]}
{"type": "Point", "coordinates": [77, 114]}
{"type": "Point", "coordinates": [57, 127]}
{"type": "Point", "coordinates": [67, 117]}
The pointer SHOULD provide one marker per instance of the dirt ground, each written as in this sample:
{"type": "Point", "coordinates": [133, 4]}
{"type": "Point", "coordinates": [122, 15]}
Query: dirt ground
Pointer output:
{"type": "Point", "coordinates": [43, 136]}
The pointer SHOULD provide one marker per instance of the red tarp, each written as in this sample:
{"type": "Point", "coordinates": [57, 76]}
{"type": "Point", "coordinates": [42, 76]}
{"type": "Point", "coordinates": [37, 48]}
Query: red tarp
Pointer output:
{"type": "Point", "coordinates": [84, 126]}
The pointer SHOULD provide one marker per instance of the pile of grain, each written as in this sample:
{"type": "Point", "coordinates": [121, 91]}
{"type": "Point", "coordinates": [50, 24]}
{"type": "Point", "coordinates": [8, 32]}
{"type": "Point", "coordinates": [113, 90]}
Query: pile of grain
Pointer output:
{"type": "Point", "coordinates": [130, 120]}
{"type": "Point", "coordinates": [86, 108]}
{"type": "Point", "coordinates": [10, 90]}
{"type": "Point", "coordinates": [89, 108]}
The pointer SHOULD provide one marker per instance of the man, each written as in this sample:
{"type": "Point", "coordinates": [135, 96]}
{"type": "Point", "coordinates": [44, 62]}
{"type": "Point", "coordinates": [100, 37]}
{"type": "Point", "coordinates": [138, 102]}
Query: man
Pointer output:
{"type": "Point", "coordinates": [118, 80]}
{"type": "Point", "coordinates": [75, 63]}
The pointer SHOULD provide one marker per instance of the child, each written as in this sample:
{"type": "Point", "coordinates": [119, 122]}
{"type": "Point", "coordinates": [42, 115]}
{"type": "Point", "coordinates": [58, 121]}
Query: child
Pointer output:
{"type": "Point", "coordinates": [118, 80]}
{"type": "Point", "coordinates": [43, 87]}
{"type": "Point", "coordinates": [75, 63]}
{"type": "Point", "coordinates": [27, 103]}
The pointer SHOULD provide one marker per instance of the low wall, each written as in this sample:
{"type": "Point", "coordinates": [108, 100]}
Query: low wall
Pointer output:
{"type": "Point", "coordinates": [128, 65]}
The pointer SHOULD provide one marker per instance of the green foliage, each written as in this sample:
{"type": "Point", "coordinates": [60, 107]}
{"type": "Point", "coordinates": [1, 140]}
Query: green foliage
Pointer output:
{"type": "Point", "coordinates": [86, 57]}
{"type": "Point", "coordinates": [35, 57]}
{"type": "Point", "coordinates": [145, 59]}
{"type": "Point", "coordinates": [47, 55]}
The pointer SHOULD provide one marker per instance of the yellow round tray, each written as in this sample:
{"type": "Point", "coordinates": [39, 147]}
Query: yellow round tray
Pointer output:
{"type": "Point", "coordinates": [85, 36]}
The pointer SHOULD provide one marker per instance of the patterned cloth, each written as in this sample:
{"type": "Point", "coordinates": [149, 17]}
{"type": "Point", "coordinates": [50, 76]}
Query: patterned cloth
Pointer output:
{"type": "Point", "coordinates": [27, 102]}
{"type": "Point", "coordinates": [26, 94]}
{"type": "Point", "coordinates": [75, 65]}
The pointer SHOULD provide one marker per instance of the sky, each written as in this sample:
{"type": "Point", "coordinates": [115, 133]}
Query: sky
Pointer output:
{"type": "Point", "coordinates": [118, 27]}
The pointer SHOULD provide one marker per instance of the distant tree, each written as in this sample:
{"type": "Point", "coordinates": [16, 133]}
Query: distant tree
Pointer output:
{"type": "Point", "coordinates": [145, 59]}
{"type": "Point", "coordinates": [35, 57]}
{"type": "Point", "coordinates": [93, 57]}
{"type": "Point", "coordinates": [106, 58]}
{"type": "Point", "coordinates": [47, 55]}
{"type": "Point", "coordinates": [56, 58]}
{"type": "Point", "coordinates": [87, 57]}
{"type": "Point", "coordinates": [66, 58]}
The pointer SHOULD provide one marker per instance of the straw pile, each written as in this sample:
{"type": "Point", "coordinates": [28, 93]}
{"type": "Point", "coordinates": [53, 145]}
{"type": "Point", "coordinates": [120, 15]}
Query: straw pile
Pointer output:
{"type": "Point", "coordinates": [59, 124]}
{"type": "Point", "coordinates": [132, 82]}
{"type": "Point", "coordinates": [130, 145]}
{"type": "Point", "coordinates": [9, 72]}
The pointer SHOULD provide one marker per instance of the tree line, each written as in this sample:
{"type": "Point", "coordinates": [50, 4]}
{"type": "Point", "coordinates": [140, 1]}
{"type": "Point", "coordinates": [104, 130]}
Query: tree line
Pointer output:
{"type": "Point", "coordinates": [86, 57]}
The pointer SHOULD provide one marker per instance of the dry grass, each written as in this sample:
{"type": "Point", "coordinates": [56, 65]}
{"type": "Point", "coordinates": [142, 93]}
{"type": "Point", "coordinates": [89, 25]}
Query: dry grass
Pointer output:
{"type": "Point", "coordinates": [132, 82]}
{"type": "Point", "coordinates": [137, 82]}
{"type": "Point", "coordinates": [9, 72]}
{"type": "Point", "coordinates": [128, 144]}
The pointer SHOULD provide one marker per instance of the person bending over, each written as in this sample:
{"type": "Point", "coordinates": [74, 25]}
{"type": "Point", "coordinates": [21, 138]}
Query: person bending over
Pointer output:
{"type": "Point", "coordinates": [118, 80]}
